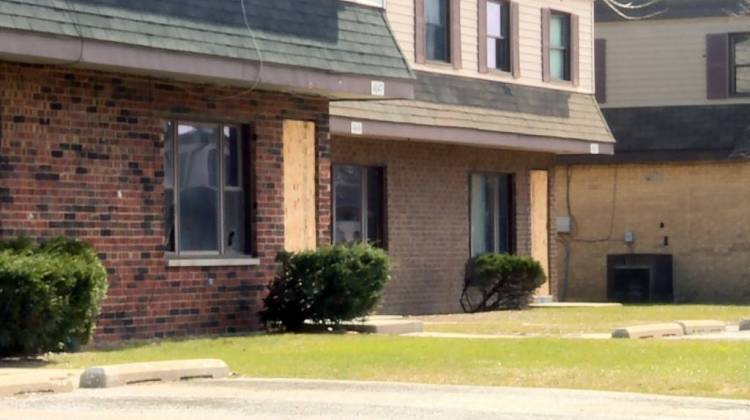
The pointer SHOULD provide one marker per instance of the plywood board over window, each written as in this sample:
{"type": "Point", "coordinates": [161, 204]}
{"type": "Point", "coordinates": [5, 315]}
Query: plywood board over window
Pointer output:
{"type": "Point", "coordinates": [299, 185]}
{"type": "Point", "coordinates": [540, 223]}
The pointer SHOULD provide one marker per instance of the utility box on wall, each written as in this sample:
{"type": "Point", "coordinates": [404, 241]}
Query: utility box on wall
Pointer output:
{"type": "Point", "coordinates": [640, 278]}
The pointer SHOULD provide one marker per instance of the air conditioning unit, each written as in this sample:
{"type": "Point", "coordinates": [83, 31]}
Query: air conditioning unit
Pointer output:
{"type": "Point", "coordinates": [640, 278]}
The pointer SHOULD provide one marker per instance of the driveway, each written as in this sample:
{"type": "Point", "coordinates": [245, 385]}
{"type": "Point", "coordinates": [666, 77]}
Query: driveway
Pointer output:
{"type": "Point", "coordinates": [253, 398]}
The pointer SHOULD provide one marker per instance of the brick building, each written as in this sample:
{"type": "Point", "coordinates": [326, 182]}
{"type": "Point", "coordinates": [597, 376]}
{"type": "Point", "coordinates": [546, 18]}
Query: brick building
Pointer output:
{"type": "Point", "coordinates": [674, 90]}
{"type": "Point", "coordinates": [189, 142]}
{"type": "Point", "coordinates": [115, 115]}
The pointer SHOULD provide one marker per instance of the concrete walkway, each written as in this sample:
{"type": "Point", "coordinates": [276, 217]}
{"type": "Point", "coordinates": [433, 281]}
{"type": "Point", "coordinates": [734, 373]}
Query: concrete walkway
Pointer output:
{"type": "Point", "coordinates": [295, 399]}
{"type": "Point", "coordinates": [732, 334]}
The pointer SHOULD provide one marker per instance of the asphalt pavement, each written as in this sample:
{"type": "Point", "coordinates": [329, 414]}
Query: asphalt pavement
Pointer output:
{"type": "Point", "coordinates": [314, 399]}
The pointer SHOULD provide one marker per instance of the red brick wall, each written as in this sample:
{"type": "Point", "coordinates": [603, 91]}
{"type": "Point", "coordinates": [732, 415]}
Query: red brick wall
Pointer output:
{"type": "Point", "coordinates": [81, 155]}
{"type": "Point", "coordinates": [428, 213]}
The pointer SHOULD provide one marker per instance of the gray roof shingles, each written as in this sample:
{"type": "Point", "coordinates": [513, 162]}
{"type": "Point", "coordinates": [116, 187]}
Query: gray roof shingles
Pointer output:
{"type": "Point", "coordinates": [328, 35]}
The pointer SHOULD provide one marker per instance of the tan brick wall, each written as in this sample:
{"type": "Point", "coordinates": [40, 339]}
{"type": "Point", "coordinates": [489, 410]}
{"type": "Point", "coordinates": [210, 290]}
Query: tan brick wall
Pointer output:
{"type": "Point", "coordinates": [704, 208]}
{"type": "Point", "coordinates": [428, 213]}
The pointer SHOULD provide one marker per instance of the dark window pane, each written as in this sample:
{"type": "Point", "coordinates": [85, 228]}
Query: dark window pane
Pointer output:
{"type": "Point", "coordinates": [232, 156]}
{"type": "Point", "coordinates": [169, 187]}
{"type": "Point", "coordinates": [743, 80]}
{"type": "Point", "coordinates": [504, 213]}
{"type": "Point", "coordinates": [375, 202]}
{"type": "Point", "coordinates": [197, 147]}
{"type": "Point", "coordinates": [742, 49]}
{"type": "Point", "coordinates": [234, 222]}
{"type": "Point", "coordinates": [347, 184]}
{"type": "Point", "coordinates": [482, 218]}
{"type": "Point", "coordinates": [437, 30]}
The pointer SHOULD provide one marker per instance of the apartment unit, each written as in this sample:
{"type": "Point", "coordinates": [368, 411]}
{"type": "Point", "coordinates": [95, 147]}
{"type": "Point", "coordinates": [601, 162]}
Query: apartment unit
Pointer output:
{"type": "Point", "coordinates": [189, 142]}
{"type": "Point", "coordinates": [675, 90]}
{"type": "Point", "coordinates": [463, 168]}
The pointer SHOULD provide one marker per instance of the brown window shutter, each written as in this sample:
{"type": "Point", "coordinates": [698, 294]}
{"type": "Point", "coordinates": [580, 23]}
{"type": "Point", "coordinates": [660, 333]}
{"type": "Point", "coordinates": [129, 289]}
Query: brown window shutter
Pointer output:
{"type": "Point", "coordinates": [717, 66]}
{"type": "Point", "coordinates": [545, 45]}
{"type": "Point", "coordinates": [419, 31]}
{"type": "Point", "coordinates": [600, 66]}
{"type": "Point", "coordinates": [455, 33]}
{"type": "Point", "coordinates": [574, 50]}
{"type": "Point", "coordinates": [515, 42]}
{"type": "Point", "coordinates": [482, 25]}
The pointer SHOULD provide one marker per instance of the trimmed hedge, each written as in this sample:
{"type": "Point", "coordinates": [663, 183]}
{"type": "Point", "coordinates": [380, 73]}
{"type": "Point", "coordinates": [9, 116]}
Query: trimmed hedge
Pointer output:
{"type": "Point", "coordinates": [500, 281]}
{"type": "Point", "coordinates": [331, 284]}
{"type": "Point", "coordinates": [50, 295]}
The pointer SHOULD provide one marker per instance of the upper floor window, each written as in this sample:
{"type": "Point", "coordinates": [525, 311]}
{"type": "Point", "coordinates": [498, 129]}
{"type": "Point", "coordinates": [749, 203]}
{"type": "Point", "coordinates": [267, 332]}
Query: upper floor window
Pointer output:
{"type": "Point", "coordinates": [438, 35]}
{"type": "Point", "coordinates": [559, 46]}
{"type": "Point", "coordinates": [740, 49]}
{"type": "Point", "coordinates": [437, 30]}
{"type": "Point", "coordinates": [205, 199]}
{"type": "Point", "coordinates": [498, 35]}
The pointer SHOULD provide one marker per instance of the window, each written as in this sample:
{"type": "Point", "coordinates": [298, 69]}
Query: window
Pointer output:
{"type": "Point", "coordinates": [559, 46]}
{"type": "Point", "coordinates": [204, 169]}
{"type": "Point", "coordinates": [358, 209]}
{"type": "Point", "coordinates": [740, 50]}
{"type": "Point", "coordinates": [498, 35]}
{"type": "Point", "coordinates": [491, 213]}
{"type": "Point", "coordinates": [437, 30]}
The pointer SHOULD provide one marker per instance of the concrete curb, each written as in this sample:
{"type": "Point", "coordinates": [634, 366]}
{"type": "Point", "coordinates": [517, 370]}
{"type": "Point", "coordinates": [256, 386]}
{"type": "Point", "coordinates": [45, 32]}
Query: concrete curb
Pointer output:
{"type": "Point", "coordinates": [134, 373]}
{"type": "Point", "coordinates": [745, 324]}
{"type": "Point", "coordinates": [671, 329]}
{"type": "Point", "coordinates": [692, 327]}
{"type": "Point", "coordinates": [36, 382]}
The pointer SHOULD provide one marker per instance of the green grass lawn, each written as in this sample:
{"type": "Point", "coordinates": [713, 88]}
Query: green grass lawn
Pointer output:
{"type": "Point", "coordinates": [699, 368]}
{"type": "Point", "coordinates": [579, 320]}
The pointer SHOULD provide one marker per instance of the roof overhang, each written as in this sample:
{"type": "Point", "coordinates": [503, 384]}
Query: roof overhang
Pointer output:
{"type": "Point", "coordinates": [344, 126]}
{"type": "Point", "coordinates": [35, 47]}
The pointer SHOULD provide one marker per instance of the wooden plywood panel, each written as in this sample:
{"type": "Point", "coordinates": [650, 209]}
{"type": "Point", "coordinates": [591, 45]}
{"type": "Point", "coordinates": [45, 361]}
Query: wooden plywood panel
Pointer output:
{"type": "Point", "coordinates": [299, 185]}
{"type": "Point", "coordinates": [539, 223]}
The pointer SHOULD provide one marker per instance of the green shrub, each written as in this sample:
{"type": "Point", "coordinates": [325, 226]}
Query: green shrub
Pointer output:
{"type": "Point", "coordinates": [49, 295]}
{"type": "Point", "coordinates": [332, 284]}
{"type": "Point", "coordinates": [500, 281]}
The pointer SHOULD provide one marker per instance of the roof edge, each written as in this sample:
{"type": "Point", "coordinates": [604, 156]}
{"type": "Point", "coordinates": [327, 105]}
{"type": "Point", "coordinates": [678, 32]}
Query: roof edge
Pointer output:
{"type": "Point", "coordinates": [345, 126]}
{"type": "Point", "coordinates": [36, 47]}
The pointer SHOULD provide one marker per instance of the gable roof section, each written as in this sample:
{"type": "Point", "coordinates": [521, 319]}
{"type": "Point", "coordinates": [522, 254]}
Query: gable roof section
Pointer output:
{"type": "Point", "coordinates": [679, 9]}
{"type": "Point", "coordinates": [517, 116]}
{"type": "Point", "coordinates": [323, 35]}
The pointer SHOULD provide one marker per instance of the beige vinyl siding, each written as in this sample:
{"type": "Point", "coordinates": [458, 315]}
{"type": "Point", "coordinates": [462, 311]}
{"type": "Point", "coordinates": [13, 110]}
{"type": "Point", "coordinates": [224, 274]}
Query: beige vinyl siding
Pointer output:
{"type": "Point", "coordinates": [401, 17]}
{"type": "Point", "coordinates": [662, 62]}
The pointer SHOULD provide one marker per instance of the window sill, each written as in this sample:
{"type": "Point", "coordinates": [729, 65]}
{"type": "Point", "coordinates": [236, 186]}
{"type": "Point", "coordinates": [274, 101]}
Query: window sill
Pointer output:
{"type": "Point", "coordinates": [212, 262]}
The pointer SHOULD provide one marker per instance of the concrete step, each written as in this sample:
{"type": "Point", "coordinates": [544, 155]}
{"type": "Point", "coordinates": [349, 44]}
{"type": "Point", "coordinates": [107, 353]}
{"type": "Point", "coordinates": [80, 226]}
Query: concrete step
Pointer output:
{"type": "Point", "coordinates": [671, 329]}
{"type": "Point", "coordinates": [691, 327]}
{"type": "Point", "coordinates": [28, 381]}
{"type": "Point", "coordinates": [169, 371]}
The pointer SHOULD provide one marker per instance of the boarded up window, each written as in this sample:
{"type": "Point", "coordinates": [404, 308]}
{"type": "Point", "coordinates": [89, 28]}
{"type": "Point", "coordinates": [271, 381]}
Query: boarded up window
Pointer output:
{"type": "Point", "coordinates": [299, 186]}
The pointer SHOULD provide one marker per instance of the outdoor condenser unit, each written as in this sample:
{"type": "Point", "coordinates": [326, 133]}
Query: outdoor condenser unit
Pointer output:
{"type": "Point", "coordinates": [639, 278]}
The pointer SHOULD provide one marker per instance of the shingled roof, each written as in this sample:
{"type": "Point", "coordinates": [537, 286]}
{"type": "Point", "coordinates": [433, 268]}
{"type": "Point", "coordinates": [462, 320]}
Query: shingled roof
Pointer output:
{"type": "Point", "coordinates": [678, 9]}
{"type": "Point", "coordinates": [325, 35]}
{"type": "Point", "coordinates": [484, 108]}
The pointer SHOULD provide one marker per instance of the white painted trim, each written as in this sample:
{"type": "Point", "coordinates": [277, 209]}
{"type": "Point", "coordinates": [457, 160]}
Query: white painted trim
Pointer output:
{"type": "Point", "coordinates": [212, 262]}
